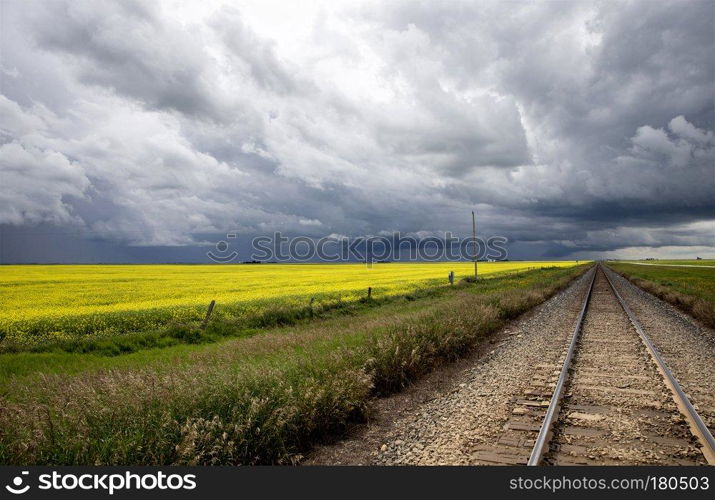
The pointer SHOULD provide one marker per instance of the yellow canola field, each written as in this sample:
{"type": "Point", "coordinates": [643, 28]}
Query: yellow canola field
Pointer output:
{"type": "Point", "coordinates": [85, 299]}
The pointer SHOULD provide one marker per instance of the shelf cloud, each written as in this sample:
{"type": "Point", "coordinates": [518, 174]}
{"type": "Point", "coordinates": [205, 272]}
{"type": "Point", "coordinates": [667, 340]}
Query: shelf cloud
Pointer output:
{"type": "Point", "coordinates": [575, 129]}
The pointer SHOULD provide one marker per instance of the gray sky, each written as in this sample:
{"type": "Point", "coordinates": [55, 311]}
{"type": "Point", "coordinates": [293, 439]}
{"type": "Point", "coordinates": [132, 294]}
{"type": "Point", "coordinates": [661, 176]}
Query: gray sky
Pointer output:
{"type": "Point", "coordinates": [141, 130]}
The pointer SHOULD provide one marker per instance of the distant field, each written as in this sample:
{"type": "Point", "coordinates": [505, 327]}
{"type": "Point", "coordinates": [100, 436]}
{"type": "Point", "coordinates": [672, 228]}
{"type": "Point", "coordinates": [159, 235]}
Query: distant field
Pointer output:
{"type": "Point", "coordinates": [42, 303]}
{"type": "Point", "coordinates": [690, 288]}
{"type": "Point", "coordinates": [690, 262]}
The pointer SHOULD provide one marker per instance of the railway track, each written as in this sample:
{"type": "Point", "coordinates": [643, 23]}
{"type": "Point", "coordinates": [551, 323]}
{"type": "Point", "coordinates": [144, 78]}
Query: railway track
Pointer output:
{"type": "Point", "coordinates": [605, 398]}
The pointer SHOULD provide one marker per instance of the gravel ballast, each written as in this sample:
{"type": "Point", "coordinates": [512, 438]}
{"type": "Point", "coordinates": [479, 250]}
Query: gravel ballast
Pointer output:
{"type": "Point", "coordinates": [449, 429]}
{"type": "Point", "coordinates": [685, 344]}
{"type": "Point", "coordinates": [453, 415]}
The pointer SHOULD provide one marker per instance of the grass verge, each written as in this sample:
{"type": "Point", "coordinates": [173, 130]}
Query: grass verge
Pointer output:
{"type": "Point", "coordinates": [691, 290]}
{"type": "Point", "coordinates": [255, 400]}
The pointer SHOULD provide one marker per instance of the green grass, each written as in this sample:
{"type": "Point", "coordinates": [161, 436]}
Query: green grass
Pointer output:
{"type": "Point", "coordinates": [690, 289]}
{"type": "Point", "coordinates": [256, 399]}
{"type": "Point", "coordinates": [61, 359]}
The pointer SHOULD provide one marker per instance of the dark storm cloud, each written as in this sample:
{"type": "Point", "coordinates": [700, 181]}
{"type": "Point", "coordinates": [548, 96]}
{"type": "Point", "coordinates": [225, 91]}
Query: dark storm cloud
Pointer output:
{"type": "Point", "coordinates": [571, 126]}
{"type": "Point", "coordinates": [129, 48]}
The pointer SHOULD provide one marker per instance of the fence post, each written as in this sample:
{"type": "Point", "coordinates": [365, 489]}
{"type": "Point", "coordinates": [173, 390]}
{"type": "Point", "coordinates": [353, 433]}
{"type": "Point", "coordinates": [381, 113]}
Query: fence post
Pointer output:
{"type": "Point", "coordinates": [451, 278]}
{"type": "Point", "coordinates": [208, 314]}
{"type": "Point", "coordinates": [312, 299]}
{"type": "Point", "coordinates": [369, 292]}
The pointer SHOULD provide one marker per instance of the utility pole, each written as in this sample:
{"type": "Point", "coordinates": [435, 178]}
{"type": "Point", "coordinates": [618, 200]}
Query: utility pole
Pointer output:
{"type": "Point", "coordinates": [474, 239]}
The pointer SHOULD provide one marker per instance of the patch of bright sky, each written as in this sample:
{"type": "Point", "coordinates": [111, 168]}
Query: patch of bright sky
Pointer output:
{"type": "Point", "coordinates": [308, 34]}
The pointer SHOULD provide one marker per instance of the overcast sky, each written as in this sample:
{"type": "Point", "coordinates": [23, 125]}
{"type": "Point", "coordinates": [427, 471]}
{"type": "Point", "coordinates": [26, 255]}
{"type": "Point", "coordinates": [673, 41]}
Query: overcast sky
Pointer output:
{"type": "Point", "coordinates": [138, 128]}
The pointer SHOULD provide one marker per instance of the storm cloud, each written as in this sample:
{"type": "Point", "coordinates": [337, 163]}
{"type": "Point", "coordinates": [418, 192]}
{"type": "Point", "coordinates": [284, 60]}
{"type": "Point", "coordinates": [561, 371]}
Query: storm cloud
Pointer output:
{"type": "Point", "coordinates": [576, 129]}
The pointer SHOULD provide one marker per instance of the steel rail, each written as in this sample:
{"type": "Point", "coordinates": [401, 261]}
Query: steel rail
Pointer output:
{"type": "Point", "coordinates": [697, 426]}
{"type": "Point", "coordinates": [552, 413]}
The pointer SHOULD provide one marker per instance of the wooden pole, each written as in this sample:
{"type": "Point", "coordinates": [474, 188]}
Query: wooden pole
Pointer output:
{"type": "Point", "coordinates": [208, 314]}
{"type": "Point", "coordinates": [474, 239]}
{"type": "Point", "coordinates": [369, 292]}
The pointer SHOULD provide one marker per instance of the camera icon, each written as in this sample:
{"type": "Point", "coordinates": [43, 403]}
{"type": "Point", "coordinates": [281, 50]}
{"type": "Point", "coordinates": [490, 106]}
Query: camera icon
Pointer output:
{"type": "Point", "coordinates": [16, 488]}
{"type": "Point", "coordinates": [221, 257]}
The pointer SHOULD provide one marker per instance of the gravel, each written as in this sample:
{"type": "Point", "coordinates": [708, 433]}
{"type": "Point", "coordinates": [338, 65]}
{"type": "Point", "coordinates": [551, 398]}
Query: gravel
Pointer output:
{"type": "Point", "coordinates": [451, 428]}
{"type": "Point", "coordinates": [617, 409]}
{"type": "Point", "coordinates": [450, 417]}
{"type": "Point", "coordinates": [687, 346]}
